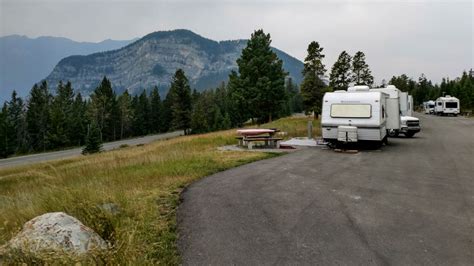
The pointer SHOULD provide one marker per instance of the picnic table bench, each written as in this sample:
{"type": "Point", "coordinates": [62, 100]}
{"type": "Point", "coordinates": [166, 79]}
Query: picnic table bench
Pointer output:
{"type": "Point", "coordinates": [250, 136]}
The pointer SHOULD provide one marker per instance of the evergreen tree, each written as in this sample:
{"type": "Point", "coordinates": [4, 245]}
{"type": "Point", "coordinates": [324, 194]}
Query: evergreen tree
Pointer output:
{"type": "Point", "coordinates": [226, 123]}
{"type": "Point", "coordinates": [340, 76]}
{"type": "Point", "coordinates": [141, 112]}
{"type": "Point", "coordinates": [401, 82]}
{"type": "Point", "coordinates": [16, 128]}
{"type": "Point", "coordinates": [61, 116]}
{"type": "Point", "coordinates": [199, 118]}
{"type": "Point", "coordinates": [261, 78]}
{"type": "Point", "coordinates": [93, 141]}
{"type": "Point", "coordinates": [238, 105]}
{"type": "Point", "coordinates": [79, 121]}
{"type": "Point", "coordinates": [104, 111]}
{"type": "Point", "coordinates": [294, 102]}
{"type": "Point", "coordinates": [155, 111]}
{"type": "Point", "coordinates": [312, 87]}
{"type": "Point", "coordinates": [126, 114]}
{"type": "Point", "coordinates": [222, 98]}
{"type": "Point", "coordinates": [218, 119]}
{"type": "Point", "coordinates": [7, 134]}
{"type": "Point", "coordinates": [180, 102]}
{"type": "Point", "coordinates": [361, 74]}
{"type": "Point", "coordinates": [38, 117]}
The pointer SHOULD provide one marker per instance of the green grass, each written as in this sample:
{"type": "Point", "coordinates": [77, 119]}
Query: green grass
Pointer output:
{"type": "Point", "coordinates": [144, 181]}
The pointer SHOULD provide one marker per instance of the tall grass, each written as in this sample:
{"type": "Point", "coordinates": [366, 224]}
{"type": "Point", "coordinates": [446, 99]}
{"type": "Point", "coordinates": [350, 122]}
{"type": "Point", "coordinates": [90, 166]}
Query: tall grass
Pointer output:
{"type": "Point", "coordinates": [145, 182]}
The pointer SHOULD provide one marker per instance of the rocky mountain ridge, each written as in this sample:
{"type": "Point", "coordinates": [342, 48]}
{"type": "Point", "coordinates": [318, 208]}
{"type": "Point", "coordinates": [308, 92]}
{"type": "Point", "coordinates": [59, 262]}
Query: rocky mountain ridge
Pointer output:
{"type": "Point", "coordinates": [153, 59]}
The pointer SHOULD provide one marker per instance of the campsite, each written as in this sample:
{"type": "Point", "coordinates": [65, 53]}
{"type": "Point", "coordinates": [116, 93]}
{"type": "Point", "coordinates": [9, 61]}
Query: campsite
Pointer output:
{"type": "Point", "coordinates": [236, 132]}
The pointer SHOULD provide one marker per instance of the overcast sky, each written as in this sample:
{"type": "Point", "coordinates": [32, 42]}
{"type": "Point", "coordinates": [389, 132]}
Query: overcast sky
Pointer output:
{"type": "Point", "coordinates": [413, 37]}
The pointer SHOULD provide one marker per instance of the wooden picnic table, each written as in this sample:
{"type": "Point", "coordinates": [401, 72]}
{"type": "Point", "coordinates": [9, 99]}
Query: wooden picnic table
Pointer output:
{"type": "Point", "coordinates": [247, 137]}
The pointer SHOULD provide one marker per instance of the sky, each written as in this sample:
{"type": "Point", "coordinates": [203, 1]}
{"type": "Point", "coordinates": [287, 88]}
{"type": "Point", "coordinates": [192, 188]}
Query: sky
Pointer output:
{"type": "Point", "coordinates": [413, 37]}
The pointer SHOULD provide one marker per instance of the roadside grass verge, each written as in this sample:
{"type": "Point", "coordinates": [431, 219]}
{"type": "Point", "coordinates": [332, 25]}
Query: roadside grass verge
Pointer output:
{"type": "Point", "coordinates": [145, 182]}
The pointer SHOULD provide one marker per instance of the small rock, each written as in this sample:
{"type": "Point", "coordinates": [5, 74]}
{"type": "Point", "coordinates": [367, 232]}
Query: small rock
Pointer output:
{"type": "Point", "coordinates": [111, 208]}
{"type": "Point", "coordinates": [59, 232]}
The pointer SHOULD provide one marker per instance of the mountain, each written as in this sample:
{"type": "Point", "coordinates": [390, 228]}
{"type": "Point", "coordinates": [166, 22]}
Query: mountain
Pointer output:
{"type": "Point", "coordinates": [24, 61]}
{"type": "Point", "coordinates": [153, 59]}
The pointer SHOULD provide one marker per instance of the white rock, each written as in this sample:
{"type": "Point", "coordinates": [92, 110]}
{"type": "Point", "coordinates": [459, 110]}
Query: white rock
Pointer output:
{"type": "Point", "coordinates": [57, 231]}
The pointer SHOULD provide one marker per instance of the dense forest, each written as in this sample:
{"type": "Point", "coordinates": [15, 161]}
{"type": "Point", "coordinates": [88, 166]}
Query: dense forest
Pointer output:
{"type": "Point", "coordinates": [259, 92]}
{"type": "Point", "coordinates": [424, 90]}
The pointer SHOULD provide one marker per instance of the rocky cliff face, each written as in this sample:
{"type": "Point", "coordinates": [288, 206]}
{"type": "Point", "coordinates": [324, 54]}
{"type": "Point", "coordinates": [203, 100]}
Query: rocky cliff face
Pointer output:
{"type": "Point", "coordinates": [152, 60]}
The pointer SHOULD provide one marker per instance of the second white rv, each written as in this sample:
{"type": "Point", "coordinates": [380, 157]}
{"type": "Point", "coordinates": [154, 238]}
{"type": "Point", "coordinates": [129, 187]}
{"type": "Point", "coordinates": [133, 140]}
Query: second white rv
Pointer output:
{"type": "Point", "coordinates": [447, 105]}
{"type": "Point", "coordinates": [354, 115]}
{"type": "Point", "coordinates": [429, 107]}
{"type": "Point", "coordinates": [393, 108]}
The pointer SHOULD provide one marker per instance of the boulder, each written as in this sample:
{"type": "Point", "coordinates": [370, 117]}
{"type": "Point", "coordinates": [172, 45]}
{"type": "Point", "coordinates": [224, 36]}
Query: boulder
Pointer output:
{"type": "Point", "coordinates": [57, 232]}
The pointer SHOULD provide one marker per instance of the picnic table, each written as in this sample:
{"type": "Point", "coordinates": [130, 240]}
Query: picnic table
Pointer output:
{"type": "Point", "coordinates": [247, 137]}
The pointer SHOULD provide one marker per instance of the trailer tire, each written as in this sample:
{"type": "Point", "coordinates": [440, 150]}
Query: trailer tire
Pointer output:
{"type": "Point", "coordinates": [393, 133]}
{"type": "Point", "coordinates": [409, 134]}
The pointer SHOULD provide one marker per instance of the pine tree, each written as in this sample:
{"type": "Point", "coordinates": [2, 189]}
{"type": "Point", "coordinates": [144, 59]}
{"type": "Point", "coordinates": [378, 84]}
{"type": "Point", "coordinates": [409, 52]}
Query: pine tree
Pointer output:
{"type": "Point", "coordinates": [226, 123]}
{"type": "Point", "coordinates": [61, 116]}
{"type": "Point", "coordinates": [361, 74]}
{"type": "Point", "coordinates": [38, 117]}
{"type": "Point", "coordinates": [218, 119]}
{"type": "Point", "coordinates": [79, 121]}
{"type": "Point", "coordinates": [199, 118]}
{"type": "Point", "coordinates": [261, 78]}
{"type": "Point", "coordinates": [126, 114]}
{"type": "Point", "coordinates": [340, 76]}
{"type": "Point", "coordinates": [104, 111]}
{"type": "Point", "coordinates": [141, 112]}
{"type": "Point", "coordinates": [93, 141]}
{"type": "Point", "coordinates": [155, 111]}
{"type": "Point", "coordinates": [6, 134]}
{"type": "Point", "coordinates": [16, 126]}
{"type": "Point", "coordinates": [238, 105]}
{"type": "Point", "coordinates": [180, 102]}
{"type": "Point", "coordinates": [312, 87]}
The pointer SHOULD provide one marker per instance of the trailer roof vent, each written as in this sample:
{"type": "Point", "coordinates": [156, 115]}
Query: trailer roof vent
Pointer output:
{"type": "Point", "coordinates": [448, 96]}
{"type": "Point", "coordinates": [340, 91]}
{"type": "Point", "coordinates": [358, 88]}
{"type": "Point", "coordinates": [391, 87]}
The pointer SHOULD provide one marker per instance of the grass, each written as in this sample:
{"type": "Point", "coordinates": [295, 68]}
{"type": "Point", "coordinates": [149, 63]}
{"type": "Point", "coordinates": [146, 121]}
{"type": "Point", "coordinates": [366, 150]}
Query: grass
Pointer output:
{"type": "Point", "coordinates": [145, 182]}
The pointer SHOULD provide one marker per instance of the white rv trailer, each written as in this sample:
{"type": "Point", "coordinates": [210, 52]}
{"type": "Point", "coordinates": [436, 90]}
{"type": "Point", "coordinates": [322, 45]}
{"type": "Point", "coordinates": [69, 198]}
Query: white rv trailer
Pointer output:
{"type": "Point", "coordinates": [447, 105]}
{"type": "Point", "coordinates": [429, 107]}
{"type": "Point", "coordinates": [354, 115]}
{"type": "Point", "coordinates": [409, 125]}
{"type": "Point", "coordinates": [393, 108]}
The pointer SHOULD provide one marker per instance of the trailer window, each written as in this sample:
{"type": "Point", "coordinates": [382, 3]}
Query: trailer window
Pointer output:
{"type": "Point", "coordinates": [351, 110]}
{"type": "Point", "coordinates": [451, 105]}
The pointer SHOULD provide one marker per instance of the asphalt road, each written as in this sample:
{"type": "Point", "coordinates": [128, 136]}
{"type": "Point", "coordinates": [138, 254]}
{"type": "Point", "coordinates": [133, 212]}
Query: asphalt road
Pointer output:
{"type": "Point", "coordinates": [411, 202]}
{"type": "Point", "coordinates": [56, 155]}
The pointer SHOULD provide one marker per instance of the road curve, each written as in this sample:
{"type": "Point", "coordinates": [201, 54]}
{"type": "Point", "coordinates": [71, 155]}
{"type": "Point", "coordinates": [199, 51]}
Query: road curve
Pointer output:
{"type": "Point", "coordinates": [412, 202]}
{"type": "Point", "coordinates": [56, 155]}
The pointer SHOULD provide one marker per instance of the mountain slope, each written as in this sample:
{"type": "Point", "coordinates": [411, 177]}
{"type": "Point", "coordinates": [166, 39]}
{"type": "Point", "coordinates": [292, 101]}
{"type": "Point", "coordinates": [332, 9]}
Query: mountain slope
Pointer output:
{"type": "Point", "coordinates": [152, 60]}
{"type": "Point", "coordinates": [24, 61]}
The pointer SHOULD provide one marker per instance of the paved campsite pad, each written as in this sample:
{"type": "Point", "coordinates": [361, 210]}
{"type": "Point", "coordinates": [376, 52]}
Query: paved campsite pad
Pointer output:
{"type": "Point", "coordinates": [410, 203]}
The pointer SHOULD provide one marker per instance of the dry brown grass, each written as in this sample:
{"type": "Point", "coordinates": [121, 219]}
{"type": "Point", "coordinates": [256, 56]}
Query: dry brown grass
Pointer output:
{"type": "Point", "coordinates": [144, 181]}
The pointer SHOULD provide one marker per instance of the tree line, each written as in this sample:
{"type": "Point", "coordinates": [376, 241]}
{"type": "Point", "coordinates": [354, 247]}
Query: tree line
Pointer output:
{"type": "Point", "coordinates": [259, 90]}
{"type": "Point", "coordinates": [346, 70]}
{"type": "Point", "coordinates": [424, 90]}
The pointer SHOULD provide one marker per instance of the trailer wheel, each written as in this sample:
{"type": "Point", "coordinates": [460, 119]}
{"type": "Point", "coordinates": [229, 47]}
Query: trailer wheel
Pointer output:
{"type": "Point", "coordinates": [393, 133]}
{"type": "Point", "coordinates": [409, 134]}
